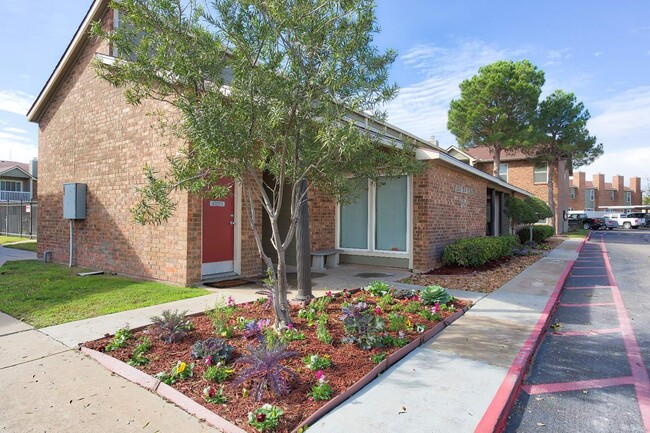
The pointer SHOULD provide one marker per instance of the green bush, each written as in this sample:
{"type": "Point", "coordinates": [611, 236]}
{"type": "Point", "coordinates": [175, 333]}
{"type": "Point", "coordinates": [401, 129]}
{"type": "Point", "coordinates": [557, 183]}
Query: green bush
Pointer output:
{"type": "Point", "coordinates": [540, 233]}
{"type": "Point", "coordinates": [476, 251]}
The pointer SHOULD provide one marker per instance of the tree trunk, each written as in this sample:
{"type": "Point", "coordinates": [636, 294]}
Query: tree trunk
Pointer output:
{"type": "Point", "coordinates": [551, 196]}
{"type": "Point", "coordinates": [280, 304]}
{"type": "Point", "coordinates": [303, 247]}
{"type": "Point", "coordinates": [497, 161]}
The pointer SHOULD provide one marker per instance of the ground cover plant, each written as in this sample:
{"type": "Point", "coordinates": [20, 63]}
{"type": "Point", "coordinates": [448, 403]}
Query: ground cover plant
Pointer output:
{"type": "Point", "coordinates": [45, 294]}
{"type": "Point", "coordinates": [267, 381]}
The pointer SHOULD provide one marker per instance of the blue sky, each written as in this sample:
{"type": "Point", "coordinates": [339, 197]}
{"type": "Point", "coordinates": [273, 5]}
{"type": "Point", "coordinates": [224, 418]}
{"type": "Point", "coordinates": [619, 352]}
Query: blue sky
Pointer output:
{"type": "Point", "coordinates": [598, 49]}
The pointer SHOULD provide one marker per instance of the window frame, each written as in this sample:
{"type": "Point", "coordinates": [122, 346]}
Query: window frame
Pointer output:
{"type": "Point", "coordinates": [15, 182]}
{"type": "Point", "coordinates": [536, 171]}
{"type": "Point", "coordinates": [501, 165]}
{"type": "Point", "coordinates": [572, 193]}
{"type": "Point", "coordinates": [612, 195]}
{"type": "Point", "coordinates": [372, 224]}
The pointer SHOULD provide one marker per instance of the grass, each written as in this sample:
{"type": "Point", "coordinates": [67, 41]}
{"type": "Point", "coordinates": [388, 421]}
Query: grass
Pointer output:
{"type": "Point", "coordinates": [10, 239]}
{"type": "Point", "coordinates": [578, 233]}
{"type": "Point", "coordinates": [25, 246]}
{"type": "Point", "coordinates": [45, 294]}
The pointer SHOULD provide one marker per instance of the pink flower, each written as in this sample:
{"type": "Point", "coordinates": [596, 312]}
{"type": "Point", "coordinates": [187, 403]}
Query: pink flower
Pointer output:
{"type": "Point", "coordinates": [208, 360]}
{"type": "Point", "coordinates": [328, 293]}
{"type": "Point", "coordinates": [320, 376]}
{"type": "Point", "coordinates": [290, 326]}
{"type": "Point", "coordinates": [230, 302]}
{"type": "Point", "coordinates": [436, 307]}
{"type": "Point", "coordinates": [377, 310]}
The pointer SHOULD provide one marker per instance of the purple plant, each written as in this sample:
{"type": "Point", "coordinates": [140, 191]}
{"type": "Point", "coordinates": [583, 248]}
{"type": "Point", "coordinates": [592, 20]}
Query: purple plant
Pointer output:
{"type": "Point", "coordinates": [253, 329]}
{"type": "Point", "coordinates": [172, 327]}
{"type": "Point", "coordinates": [265, 369]}
{"type": "Point", "coordinates": [214, 349]}
{"type": "Point", "coordinates": [268, 302]}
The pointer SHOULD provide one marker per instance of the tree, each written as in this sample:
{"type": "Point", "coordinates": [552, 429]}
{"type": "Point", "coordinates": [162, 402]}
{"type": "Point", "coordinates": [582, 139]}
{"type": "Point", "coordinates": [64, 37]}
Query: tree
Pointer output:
{"type": "Point", "coordinates": [497, 107]}
{"type": "Point", "coordinates": [527, 211]}
{"type": "Point", "coordinates": [258, 87]}
{"type": "Point", "coordinates": [563, 135]}
{"type": "Point", "coordinates": [646, 193]}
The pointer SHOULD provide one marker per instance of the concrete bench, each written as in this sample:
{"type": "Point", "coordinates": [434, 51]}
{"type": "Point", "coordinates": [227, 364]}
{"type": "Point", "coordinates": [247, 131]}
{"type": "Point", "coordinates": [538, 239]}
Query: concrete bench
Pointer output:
{"type": "Point", "coordinates": [324, 257]}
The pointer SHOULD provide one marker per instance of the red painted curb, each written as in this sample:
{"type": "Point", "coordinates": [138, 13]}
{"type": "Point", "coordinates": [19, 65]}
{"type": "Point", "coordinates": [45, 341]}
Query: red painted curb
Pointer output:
{"type": "Point", "coordinates": [126, 371]}
{"type": "Point", "coordinates": [582, 244]}
{"type": "Point", "coordinates": [494, 417]}
{"type": "Point", "coordinates": [194, 408]}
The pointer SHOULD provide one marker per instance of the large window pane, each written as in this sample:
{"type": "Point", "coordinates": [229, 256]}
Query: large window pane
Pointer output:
{"type": "Point", "coordinates": [391, 211]}
{"type": "Point", "coordinates": [354, 218]}
{"type": "Point", "coordinates": [540, 173]}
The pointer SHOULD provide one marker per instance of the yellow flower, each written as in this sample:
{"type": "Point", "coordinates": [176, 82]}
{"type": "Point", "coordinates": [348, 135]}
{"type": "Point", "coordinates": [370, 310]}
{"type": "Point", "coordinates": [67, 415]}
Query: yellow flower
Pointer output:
{"type": "Point", "coordinates": [408, 323]}
{"type": "Point", "coordinates": [181, 367]}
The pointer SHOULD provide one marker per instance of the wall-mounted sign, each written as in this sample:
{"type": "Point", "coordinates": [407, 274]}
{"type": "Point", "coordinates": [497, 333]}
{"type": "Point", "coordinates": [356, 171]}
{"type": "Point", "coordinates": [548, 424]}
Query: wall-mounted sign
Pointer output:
{"type": "Point", "coordinates": [217, 203]}
{"type": "Point", "coordinates": [463, 189]}
{"type": "Point", "coordinates": [28, 208]}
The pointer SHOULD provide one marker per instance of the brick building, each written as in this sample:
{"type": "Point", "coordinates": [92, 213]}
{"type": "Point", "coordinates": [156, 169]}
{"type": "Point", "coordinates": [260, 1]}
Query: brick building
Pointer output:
{"type": "Point", "coordinates": [89, 135]}
{"type": "Point", "coordinates": [522, 171]}
{"type": "Point", "coordinates": [598, 194]}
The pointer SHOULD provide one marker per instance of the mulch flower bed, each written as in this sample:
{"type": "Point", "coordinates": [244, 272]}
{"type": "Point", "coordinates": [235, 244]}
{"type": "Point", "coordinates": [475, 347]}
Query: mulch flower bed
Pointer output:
{"type": "Point", "coordinates": [349, 363]}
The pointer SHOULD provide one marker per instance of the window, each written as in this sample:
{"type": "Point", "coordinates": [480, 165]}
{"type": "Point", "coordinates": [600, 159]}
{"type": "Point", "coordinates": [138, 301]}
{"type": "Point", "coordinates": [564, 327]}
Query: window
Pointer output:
{"type": "Point", "coordinates": [540, 172]}
{"type": "Point", "coordinates": [612, 195]}
{"type": "Point", "coordinates": [628, 197]}
{"type": "Point", "coordinates": [503, 171]}
{"type": "Point", "coordinates": [592, 195]}
{"type": "Point", "coordinates": [573, 193]}
{"type": "Point", "coordinates": [11, 185]}
{"type": "Point", "coordinates": [377, 219]}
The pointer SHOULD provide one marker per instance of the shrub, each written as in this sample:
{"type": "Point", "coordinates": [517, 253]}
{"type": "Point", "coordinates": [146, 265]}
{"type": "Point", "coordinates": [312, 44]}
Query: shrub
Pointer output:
{"type": "Point", "coordinates": [540, 233]}
{"type": "Point", "coordinates": [432, 294]}
{"type": "Point", "coordinates": [477, 251]}
{"type": "Point", "coordinates": [361, 326]}
{"type": "Point", "coordinates": [317, 362]}
{"type": "Point", "coordinates": [265, 418]}
{"type": "Point", "coordinates": [322, 333]}
{"type": "Point", "coordinates": [172, 326]}
{"type": "Point", "coordinates": [215, 349]}
{"type": "Point", "coordinates": [264, 368]}
{"type": "Point", "coordinates": [179, 372]}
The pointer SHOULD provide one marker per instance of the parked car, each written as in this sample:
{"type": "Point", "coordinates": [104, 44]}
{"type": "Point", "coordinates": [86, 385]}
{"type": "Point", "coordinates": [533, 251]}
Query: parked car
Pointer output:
{"type": "Point", "coordinates": [608, 223]}
{"type": "Point", "coordinates": [641, 216]}
{"type": "Point", "coordinates": [624, 221]}
{"type": "Point", "coordinates": [582, 220]}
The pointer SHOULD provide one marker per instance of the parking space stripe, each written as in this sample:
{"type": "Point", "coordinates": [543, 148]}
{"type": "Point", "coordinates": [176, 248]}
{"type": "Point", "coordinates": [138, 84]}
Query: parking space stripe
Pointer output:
{"type": "Point", "coordinates": [587, 333]}
{"type": "Point", "coordinates": [595, 304]}
{"type": "Point", "coordinates": [548, 388]}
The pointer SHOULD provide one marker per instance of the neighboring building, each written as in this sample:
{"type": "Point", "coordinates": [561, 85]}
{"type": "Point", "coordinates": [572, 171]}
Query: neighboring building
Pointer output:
{"type": "Point", "coordinates": [88, 134]}
{"type": "Point", "coordinates": [18, 181]}
{"type": "Point", "coordinates": [524, 172]}
{"type": "Point", "coordinates": [598, 195]}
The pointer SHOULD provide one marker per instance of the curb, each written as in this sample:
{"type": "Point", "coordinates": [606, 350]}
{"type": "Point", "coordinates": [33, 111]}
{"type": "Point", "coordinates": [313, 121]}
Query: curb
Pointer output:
{"type": "Point", "coordinates": [494, 418]}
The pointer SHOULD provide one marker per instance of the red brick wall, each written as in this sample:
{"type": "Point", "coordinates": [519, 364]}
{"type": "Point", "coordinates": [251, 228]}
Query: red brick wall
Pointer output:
{"type": "Point", "coordinates": [88, 134]}
{"type": "Point", "coordinates": [448, 204]}
{"type": "Point", "coordinates": [322, 220]}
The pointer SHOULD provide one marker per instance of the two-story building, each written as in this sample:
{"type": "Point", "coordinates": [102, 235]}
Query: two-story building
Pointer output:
{"type": "Point", "coordinates": [599, 195]}
{"type": "Point", "coordinates": [18, 181]}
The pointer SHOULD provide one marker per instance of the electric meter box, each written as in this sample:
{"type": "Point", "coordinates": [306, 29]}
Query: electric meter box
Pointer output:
{"type": "Point", "coordinates": [74, 201]}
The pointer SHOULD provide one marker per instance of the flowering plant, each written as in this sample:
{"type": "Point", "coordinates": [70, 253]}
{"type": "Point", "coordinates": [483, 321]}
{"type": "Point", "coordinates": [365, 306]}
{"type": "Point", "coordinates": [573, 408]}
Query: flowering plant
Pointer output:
{"type": "Point", "coordinates": [212, 395]}
{"type": "Point", "coordinates": [265, 418]}
{"type": "Point", "coordinates": [217, 373]}
{"type": "Point", "coordinates": [317, 362]}
{"type": "Point", "coordinates": [322, 390]}
{"type": "Point", "coordinates": [180, 371]}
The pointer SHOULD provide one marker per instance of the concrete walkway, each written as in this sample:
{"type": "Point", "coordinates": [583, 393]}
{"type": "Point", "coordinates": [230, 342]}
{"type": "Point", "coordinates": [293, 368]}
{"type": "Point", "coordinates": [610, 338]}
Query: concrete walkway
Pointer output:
{"type": "Point", "coordinates": [7, 254]}
{"type": "Point", "coordinates": [446, 385]}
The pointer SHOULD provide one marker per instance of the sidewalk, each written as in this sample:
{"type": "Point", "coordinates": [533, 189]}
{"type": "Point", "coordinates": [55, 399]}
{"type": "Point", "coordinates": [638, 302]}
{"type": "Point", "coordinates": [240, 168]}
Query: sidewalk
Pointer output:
{"type": "Point", "coordinates": [446, 385]}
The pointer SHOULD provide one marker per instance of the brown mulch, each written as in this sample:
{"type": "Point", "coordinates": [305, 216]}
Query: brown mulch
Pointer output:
{"type": "Point", "coordinates": [484, 279]}
{"type": "Point", "coordinates": [349, 363]}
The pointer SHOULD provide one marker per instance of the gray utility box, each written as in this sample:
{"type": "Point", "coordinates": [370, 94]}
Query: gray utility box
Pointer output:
{"type": "Point", "coordinates": [74, 201]}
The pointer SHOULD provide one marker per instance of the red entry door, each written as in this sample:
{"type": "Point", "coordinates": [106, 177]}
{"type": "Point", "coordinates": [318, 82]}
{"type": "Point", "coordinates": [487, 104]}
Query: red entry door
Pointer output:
{"type": "Point", "coordinates": [219, 233]}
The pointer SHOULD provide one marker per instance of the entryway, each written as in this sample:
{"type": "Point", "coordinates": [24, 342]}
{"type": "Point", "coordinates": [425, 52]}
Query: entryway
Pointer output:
{"type": "Point", "coordinates": [218, 243]}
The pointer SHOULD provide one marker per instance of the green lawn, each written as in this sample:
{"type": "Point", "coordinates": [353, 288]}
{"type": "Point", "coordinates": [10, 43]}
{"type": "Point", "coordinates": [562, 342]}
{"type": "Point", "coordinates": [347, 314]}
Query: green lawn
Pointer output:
{"type": "Point", "coordinates": [45, 294]}
{"type": "Point", "coordinates": [579, 233]}
{"type": "Point", "coordinates": [10, 239]}
{"type": "Point", "coordinates": [25, 246]}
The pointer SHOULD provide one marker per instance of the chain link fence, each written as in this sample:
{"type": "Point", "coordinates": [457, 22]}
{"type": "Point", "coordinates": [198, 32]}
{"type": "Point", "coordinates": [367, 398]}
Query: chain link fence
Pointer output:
{"type": "Point", "coordinates": [18, 218]}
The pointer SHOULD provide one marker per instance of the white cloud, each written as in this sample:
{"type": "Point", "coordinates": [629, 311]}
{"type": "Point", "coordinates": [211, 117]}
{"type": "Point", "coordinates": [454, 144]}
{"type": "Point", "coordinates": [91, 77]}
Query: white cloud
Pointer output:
{"type": "Point", "coordinates": [15, 101]}
{"type": "Point", "coordinates": [421, 108]}
{"type": "Point", "coordinates": [16, 147]}
{"type": "Point", "coordinates": [16, 130]}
